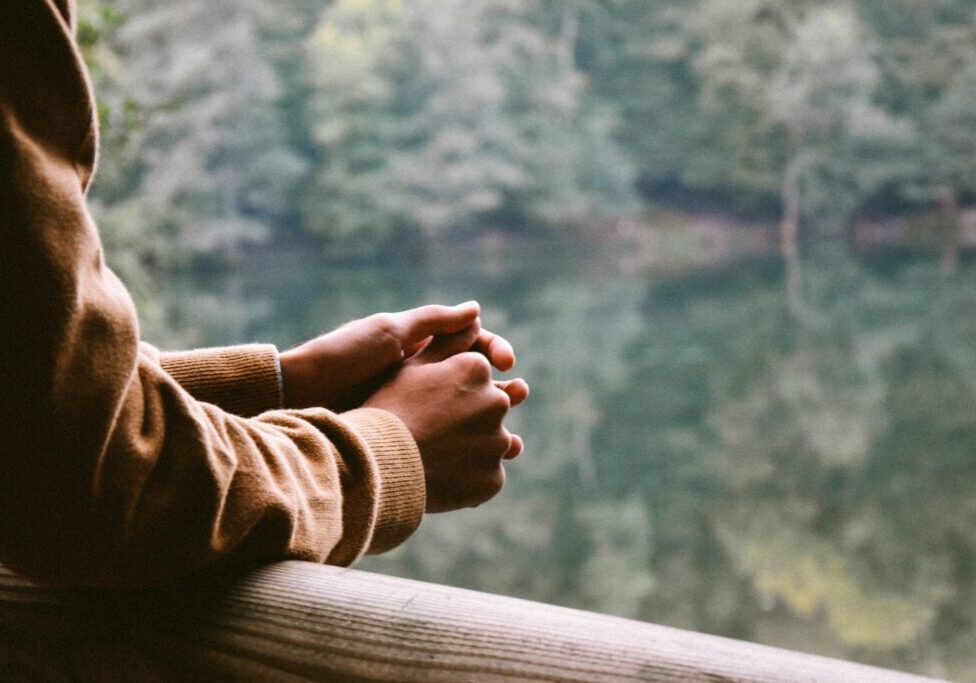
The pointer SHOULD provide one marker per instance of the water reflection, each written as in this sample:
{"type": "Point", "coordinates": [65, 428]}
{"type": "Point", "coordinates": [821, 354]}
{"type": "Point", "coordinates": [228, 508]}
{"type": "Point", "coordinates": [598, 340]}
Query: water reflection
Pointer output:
{"type": "Point", "coordinates": [700, 455]}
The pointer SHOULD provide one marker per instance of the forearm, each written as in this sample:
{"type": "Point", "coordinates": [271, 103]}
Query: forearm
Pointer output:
{"type": "Point", "coordinates": [244, 380]}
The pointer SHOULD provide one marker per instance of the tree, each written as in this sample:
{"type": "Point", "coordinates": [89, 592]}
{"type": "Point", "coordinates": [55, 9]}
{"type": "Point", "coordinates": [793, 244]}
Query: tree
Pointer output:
{"type": "Point", "coordinates": [195, 155]}
{"type": "Point", "coordinates": [797, 83]}
{"type": "Point", "coordinates": [636, 55]}
{"type": "Point", "coordinates": [929, 75]}
{"type": "Point", "coordinates": [453, 115]}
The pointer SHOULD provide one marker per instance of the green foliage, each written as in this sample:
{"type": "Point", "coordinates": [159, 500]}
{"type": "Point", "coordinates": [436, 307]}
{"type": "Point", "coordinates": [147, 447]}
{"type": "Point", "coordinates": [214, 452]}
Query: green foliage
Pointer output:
{"type": "Point", "coordinates": [195, 160]}
{"type": "Point", "coordinates": [791, 88]}
{"type": "Point", "coordinates": [699, 458]}
{"type": "Point", "coordinates": [636, 54]}
{"type": "Point", "coordinates": [369, 122]}
{"type": "Point", "coordinates": [454, 115]}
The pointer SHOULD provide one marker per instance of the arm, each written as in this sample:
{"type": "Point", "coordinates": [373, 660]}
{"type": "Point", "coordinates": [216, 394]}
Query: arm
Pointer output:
{"type": "Point", "coordinates": [338, 370]}
{"type": "Point", "coordinates": [244, 380]}
{"type": "Point", "coordinates": [111, 473]}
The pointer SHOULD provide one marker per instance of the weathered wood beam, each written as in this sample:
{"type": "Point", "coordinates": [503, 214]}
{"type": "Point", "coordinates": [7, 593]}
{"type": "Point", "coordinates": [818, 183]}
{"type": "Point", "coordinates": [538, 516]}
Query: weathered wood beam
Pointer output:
{"type": "Point", "coordinates": [297, 621]}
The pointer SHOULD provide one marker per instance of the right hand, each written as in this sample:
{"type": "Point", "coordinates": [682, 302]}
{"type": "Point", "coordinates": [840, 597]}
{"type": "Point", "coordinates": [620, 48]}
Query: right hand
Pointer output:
{"type": "Point", "coordinates": [447, 399]}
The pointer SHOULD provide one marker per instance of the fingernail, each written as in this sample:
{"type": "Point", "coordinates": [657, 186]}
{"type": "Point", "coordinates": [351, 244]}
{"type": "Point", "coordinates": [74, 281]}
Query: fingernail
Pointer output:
{"type": "Point", "coordinates": [467, 303]}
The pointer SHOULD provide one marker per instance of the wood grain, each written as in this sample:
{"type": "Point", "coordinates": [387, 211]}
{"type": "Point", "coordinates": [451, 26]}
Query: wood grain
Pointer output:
{"type": "Point", "coordinates": [296, 621]}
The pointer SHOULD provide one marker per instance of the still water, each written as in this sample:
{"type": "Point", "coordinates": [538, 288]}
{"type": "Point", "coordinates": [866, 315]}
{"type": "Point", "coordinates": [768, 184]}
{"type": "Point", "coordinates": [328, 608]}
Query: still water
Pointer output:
{"type": "Point", "coordinates": [699, 453]}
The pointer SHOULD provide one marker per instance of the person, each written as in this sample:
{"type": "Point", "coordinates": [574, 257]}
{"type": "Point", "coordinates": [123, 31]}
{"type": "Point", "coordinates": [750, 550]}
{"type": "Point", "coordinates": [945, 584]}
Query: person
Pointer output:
{"type": "Point", "coordinates": [121, 466]}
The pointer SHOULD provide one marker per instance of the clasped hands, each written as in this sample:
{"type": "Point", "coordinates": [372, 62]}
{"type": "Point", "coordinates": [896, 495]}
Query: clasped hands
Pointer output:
{"type": "Point", "coordinates": [431, 367]}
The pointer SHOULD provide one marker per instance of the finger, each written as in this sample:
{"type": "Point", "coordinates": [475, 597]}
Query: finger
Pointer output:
{"type": "Point", "coordinates": [444, 346]}
{"type": "Point", "coordinates": [517, 389]}
{"type": "Point", "coordinates": [418, 324]}
{"type": "Point", "coordinates": [413, 349]}
{"type": "Point", "coordinates": [515, 449]}
{"type": "Point", "coordinates": [496, 349]}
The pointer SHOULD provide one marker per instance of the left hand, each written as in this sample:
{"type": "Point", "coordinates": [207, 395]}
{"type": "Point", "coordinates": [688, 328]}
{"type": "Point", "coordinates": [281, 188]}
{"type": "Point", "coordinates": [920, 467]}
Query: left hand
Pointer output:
{"type": "Point", "coordinates": [339, 370]}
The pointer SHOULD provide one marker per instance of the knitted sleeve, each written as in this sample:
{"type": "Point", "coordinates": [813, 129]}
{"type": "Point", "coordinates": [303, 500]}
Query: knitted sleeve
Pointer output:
{"type": "Point", "coordinates": [243, 380]}
{"type": "Point", "coordinates": [111, 472]}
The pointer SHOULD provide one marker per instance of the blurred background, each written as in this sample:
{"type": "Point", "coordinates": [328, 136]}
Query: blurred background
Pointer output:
{"type": "Point", "coordinates": [732, 242]}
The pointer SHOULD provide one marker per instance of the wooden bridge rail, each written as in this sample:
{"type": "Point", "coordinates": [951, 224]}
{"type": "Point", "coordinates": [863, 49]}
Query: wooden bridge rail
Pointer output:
{"type": "Point", "coordinates": [297, 621]}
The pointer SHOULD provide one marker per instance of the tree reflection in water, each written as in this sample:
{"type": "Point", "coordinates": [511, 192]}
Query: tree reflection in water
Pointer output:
{"type": "Point", "coordinates": [698, 454]}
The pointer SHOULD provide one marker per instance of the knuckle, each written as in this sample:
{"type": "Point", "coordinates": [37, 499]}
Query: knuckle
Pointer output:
{"type": "Point", "coordinates": [499, 404]}
{"type": "Point", "coordinates": [386, 329]}
{"type": "Point", "coordinates": [489, 486]}
{"type": "Point", "coordinates": [384, 323]}
{"type": "Point", "coordinates": [500, 442]}
{"type": "Point", "coordinates": [495, 482]}
{"type": "Point", "coordinates": [476, 365]}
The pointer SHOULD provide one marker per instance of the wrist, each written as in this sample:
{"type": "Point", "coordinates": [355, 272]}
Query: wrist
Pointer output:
{"type": "Point", "coordinates": [402, 489]}
{"type": "Point", "coordinates": [292, 370]}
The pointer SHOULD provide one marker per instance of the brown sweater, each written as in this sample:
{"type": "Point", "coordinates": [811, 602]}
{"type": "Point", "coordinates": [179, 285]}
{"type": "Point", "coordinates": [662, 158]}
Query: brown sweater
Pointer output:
{"type": "Point", "coordinates": [120, 466]}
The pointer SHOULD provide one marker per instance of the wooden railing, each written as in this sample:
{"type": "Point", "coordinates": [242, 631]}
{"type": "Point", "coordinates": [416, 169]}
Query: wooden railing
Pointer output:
{"type": "Point", "coordinates": [296, 621]}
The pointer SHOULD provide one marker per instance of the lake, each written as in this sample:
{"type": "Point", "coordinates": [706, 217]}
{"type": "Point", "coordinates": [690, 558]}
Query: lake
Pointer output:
{"type": "Point", "coordinates": [699, 452]}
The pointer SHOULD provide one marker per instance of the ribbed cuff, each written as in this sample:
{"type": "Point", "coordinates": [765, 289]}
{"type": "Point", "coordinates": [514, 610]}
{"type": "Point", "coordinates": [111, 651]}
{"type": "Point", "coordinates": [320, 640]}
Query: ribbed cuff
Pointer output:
{"type": "Point", "coordinates": [243, 380]}
{"type": "Point", "coordinates": [403, 493]}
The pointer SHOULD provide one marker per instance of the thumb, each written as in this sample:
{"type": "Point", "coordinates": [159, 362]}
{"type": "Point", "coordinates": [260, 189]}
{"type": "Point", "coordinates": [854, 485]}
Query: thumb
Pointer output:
{"type": "Point", "coordinates": [444, 346]}
{"type": "Point", "coordinates": [418, 324]}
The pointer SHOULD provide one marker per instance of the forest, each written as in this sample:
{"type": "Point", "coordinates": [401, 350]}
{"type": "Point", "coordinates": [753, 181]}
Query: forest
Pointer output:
{"type": "Point", "coordinates": [368, 125]}
{"type": "Point", "coordinates": [732, 242]}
